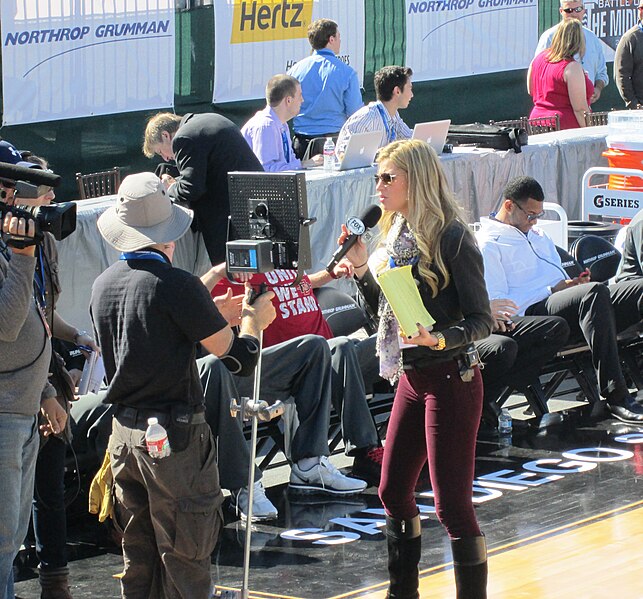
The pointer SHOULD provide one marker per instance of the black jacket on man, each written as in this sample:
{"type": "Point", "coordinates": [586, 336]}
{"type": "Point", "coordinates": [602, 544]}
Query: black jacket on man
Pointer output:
{"type": "Point", "coordinates": [206, 148]}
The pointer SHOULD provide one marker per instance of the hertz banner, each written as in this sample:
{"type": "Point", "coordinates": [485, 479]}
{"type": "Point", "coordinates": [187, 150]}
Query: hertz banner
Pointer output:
{"type": "Point", "coordinates": [455, 38]}
{"type": "Point", "coordinates": [77, 58]}
{"type": "Point", "coordinates": [256, 39]}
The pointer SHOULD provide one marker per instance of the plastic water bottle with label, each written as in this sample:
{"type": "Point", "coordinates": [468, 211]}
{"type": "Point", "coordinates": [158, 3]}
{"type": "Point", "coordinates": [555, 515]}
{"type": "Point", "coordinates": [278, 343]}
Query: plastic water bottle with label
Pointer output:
{"type": "Point", "coordinates": [505, 424]}
{"type": "Point", "coordinates": [329, 154]}
{"type": "Point", "coordinates": [158, 445]}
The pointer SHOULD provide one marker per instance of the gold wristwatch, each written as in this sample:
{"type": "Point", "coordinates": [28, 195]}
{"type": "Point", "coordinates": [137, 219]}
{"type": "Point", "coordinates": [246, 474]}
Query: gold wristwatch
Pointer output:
{"type": "Point", "coordinates": [442, 342]}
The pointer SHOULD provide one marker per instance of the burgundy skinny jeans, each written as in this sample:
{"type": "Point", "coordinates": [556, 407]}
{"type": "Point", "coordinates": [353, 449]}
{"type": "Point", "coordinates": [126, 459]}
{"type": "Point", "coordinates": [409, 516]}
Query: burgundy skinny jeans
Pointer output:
{"type": "Point", "coordinates": [436, 415]}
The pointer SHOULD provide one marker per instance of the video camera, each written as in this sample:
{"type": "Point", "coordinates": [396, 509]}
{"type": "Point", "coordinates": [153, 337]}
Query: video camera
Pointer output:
{"type": "Point", "coordinates": [59, 219]}
{"type": "Point", "coordinates": [268, 223]}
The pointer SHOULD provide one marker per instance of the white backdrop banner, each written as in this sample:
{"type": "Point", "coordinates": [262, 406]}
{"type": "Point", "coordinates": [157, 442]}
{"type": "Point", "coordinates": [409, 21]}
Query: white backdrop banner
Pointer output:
{"type": "Point", "coordinates": [455, 38]}
{"type": "Point", "coordinates": [63, 59]}
{"type": "Point", "coordinates": [256, 39]}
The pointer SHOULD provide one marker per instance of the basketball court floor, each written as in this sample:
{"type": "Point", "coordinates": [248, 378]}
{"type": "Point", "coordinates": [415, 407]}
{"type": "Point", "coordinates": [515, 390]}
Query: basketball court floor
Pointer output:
{"type": "Point", "coordinates": [561, 507]}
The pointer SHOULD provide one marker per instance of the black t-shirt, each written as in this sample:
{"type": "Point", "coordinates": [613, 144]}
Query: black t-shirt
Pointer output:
{"type": "Point", "coordinates": [148, 318]}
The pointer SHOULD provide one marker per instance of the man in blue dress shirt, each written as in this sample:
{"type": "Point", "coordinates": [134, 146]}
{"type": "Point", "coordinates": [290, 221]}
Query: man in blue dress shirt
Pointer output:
{"type": "Point", "coordinates": [330, 87]}
{"type": "Point", "coordinates": [267, 131]}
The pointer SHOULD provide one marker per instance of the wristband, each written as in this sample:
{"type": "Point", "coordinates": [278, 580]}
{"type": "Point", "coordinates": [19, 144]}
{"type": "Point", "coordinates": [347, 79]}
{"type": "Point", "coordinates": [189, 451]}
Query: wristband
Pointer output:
{"type": "Point", "coordinates": [361, 265]}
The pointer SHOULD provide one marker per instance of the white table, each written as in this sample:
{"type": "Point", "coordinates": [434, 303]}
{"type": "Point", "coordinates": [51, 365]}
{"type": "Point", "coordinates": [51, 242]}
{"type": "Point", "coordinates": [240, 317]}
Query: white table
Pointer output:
{"type": "Point", "coordinates": [477, 176]}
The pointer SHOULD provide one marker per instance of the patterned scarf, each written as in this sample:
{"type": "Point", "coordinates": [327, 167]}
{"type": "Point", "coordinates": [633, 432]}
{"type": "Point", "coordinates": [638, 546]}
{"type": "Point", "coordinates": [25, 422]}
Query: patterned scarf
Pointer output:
{"type": "Point", "coordinates": [402, 249]}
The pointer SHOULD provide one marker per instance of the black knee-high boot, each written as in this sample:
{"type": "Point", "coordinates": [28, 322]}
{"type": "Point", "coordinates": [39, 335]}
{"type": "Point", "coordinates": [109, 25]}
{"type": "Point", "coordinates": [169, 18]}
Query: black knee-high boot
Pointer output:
{"type": "Point", "coordinates": [404, 544]}
{"type": "Point", "coordinates": [470, 567]}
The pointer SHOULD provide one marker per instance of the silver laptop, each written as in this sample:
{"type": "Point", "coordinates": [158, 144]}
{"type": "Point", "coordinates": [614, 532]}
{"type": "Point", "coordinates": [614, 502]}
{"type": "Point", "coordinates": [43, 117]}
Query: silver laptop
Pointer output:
{"type": "Point", "coordinates": [360, 150]}
{"type": "Point", "coordinates": [434, 133]}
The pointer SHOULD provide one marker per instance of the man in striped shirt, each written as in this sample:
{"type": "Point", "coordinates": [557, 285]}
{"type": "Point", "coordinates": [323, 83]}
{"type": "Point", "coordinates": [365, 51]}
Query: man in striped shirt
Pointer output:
{"type": "Point", "coordinates": [394, 91]}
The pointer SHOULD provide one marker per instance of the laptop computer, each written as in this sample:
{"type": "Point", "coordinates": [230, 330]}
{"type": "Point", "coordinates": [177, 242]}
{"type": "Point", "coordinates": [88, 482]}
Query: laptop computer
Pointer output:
{"type": "Point", "coordinates": [360, 150]}
{"type": "Point", "coordinates": [434, 133]}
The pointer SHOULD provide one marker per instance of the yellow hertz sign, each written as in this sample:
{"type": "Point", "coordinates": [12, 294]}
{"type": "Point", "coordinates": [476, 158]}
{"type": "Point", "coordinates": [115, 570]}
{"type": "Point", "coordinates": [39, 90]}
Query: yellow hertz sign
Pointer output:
{"type": "Point", "coordinates": [268, 20]}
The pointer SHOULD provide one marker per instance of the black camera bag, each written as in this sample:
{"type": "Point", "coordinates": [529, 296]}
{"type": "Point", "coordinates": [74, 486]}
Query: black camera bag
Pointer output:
{"type": "Point", "coordinates": [488, 136]}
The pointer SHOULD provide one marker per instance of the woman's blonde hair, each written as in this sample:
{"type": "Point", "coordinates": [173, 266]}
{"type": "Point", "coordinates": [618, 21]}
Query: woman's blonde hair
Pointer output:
{"type": "Point", "coordinates": [432, 206]}
{"type": "Point", "coordinates": [568, 41]}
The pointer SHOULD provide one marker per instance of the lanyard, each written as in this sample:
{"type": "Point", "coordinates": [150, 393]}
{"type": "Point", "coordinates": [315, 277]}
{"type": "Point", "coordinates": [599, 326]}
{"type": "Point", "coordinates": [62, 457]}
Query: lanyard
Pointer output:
{"type": "Point", "coordinates": [284, 141]}
{"type": "Point", "coordinates": [40, 288]}
{"type": "Point", "coordinates": [143, 255]}
{"type": "Point", "coordinates": [390, 130]}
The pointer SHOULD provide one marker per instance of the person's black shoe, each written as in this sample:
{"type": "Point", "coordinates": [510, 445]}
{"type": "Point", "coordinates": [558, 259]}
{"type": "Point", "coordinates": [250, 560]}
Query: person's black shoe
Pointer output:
{"type": "Point", "coordinates": [627, 410]}
{"type": "Point", "coordinates": [367, 465]}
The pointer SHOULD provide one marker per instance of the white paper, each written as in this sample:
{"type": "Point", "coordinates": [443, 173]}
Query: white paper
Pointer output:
{"type": "Point", "coordinates": [93, 375]}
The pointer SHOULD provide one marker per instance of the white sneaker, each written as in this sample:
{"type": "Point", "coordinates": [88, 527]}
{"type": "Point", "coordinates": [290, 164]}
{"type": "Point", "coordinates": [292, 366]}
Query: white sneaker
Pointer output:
{"type": "Point", "coordinates": [262, 507]}
{"type": "Point", "coordinates": [324, 478]}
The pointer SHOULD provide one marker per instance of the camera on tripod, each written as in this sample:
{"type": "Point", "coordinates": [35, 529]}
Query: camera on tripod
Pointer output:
{"type": "Point", "coordinates": [58, 219]}
{"type": "Point", "coordinates": [268, 225]}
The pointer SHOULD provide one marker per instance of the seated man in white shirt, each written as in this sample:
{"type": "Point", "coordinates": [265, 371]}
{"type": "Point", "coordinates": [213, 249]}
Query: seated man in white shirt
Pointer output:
{"type": "Point", "coordinates": [267, 131]}
{"type": "Point", "coordinates": [394, 91]}
{"type": "Point", "coordinates": [521, 264]}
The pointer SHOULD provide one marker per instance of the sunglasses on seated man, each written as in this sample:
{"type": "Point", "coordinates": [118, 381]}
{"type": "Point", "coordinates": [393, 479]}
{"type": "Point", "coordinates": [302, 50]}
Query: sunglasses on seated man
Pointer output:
{"type": "Point", "coordinates": [571, 10]}
{"type": "Point", "coordinates": [530, 217]}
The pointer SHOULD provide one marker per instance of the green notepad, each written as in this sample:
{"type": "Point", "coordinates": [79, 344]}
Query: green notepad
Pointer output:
{"type": "Point", "coordinates": [401, 292]}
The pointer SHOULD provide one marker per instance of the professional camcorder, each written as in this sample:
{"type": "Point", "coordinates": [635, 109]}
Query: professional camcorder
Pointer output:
{"type": "Point", "coordinates": [59, 219]}
{"type": "Point", "coordinates": [268, 227]}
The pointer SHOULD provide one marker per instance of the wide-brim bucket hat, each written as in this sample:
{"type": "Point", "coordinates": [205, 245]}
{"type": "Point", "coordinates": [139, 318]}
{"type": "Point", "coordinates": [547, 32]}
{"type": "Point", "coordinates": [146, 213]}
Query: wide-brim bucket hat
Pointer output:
{"type": "Point", "coordinates": [144, 215]}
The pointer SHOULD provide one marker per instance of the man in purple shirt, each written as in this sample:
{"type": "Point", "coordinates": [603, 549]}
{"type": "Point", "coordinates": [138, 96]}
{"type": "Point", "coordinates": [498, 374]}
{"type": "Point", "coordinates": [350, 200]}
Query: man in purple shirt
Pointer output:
{"type": "Point", "coordinates": [267, 131]}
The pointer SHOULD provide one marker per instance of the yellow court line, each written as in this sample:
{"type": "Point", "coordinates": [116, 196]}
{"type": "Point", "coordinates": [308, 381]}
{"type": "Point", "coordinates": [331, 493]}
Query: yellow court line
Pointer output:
{"type": "Point", "coordinates": [502, 548]}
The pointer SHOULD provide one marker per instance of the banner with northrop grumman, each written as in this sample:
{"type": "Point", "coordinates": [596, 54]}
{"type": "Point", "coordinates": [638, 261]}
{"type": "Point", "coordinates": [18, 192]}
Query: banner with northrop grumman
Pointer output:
{"type": "Point", "coordinates": [452, 38]}
{"type": "Point", "coordinates": [256, 39]}
{"type": "Point", "coordinates": [63, 59]}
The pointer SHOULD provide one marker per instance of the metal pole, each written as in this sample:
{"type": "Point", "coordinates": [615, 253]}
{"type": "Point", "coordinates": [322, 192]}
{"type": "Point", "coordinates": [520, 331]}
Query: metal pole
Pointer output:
{"type": "Point", "coordinates": [251, 471]}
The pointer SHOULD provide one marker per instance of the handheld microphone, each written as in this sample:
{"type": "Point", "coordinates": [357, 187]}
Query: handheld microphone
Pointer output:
{"type": "Point", "coordinates": [357, 227]}
{"type": "Point", "coordinates": [36, 176]}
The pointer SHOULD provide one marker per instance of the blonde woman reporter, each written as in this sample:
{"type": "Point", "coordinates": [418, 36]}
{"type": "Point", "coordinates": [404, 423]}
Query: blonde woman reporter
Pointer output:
{"type": "Point", "coordinates": [438, 402]}
{"type": "Point", "coordinates": [556, 81]}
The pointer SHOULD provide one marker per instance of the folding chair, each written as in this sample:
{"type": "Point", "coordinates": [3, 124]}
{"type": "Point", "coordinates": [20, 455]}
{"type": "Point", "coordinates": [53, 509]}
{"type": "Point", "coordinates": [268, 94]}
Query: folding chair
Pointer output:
{"type": "Point", "coordinates": [95, 185]}
{"type": "Point", "coordinates": [315, 146]}
{"type": "Point", "coordinates": [597, 254]}
{"type": "Point", "coordinates": [595, 119]}
{"type": "Point", "coordinates": [543, 124]}
{"type": "Point", "coordinates": [521, 122]}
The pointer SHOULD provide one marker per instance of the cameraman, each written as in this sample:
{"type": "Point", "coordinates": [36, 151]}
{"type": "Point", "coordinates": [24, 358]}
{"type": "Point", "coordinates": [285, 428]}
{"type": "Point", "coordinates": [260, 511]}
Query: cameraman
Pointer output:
{"type": "Point", "coordinates": [25, 352]}
{"type": "Point", "coordinates": [50, 525]}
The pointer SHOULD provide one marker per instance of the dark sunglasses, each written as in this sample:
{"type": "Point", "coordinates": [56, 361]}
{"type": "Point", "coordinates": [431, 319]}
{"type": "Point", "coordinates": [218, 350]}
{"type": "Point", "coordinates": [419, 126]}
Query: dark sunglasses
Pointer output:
{"type": "Point", "coordinates": [530, 217]}
{"type": "Point", "coordinates": [571, 10]}
{"type": "Point", "coordinates": [386, 178]}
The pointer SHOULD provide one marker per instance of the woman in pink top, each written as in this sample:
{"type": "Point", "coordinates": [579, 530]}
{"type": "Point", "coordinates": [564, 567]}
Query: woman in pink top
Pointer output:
{"type": "Point", "coordinates": [556, 82]}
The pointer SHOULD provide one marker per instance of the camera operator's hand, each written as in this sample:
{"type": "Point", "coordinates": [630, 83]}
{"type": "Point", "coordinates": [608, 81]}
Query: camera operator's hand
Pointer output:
{"type": "Point", "coordinates": [230, 307]}
{"type": "Point", "coordinates": [257, 316]}
{"type": "Point", "coordinates": [12, 225]}
{"type": "Point", "coordinates": [55, 415]}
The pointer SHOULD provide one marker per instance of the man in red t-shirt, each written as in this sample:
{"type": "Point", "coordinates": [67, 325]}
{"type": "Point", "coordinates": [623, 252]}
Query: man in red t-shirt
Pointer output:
{"type": "Point", "coordinates": [301, 360]}
{"type": "Point", "coordinates": [353, 361]}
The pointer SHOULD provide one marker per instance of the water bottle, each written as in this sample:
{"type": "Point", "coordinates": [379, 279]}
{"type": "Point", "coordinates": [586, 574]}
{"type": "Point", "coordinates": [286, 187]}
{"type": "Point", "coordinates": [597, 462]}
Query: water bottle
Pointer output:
{"type": "Point", "coordinates": [158, 445]}
{"type": "Point", "coordinates": [505, 424]}
{"type": "Point", "coordinates": [329, 154]}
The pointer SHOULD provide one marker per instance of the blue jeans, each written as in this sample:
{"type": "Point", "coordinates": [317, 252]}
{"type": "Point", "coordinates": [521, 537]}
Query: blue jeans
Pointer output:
{"type": "Point", "coordinates": [18, 450]}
